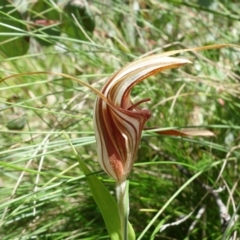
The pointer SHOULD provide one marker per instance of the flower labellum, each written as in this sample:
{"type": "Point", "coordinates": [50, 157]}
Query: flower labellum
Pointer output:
{"type": "Point", "coordinates": [119, 122]}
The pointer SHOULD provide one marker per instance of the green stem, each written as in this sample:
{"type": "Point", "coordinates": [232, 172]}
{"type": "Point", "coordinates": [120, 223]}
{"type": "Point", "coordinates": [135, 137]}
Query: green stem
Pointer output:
{"type": "Point", "coordinates": [123, 207]}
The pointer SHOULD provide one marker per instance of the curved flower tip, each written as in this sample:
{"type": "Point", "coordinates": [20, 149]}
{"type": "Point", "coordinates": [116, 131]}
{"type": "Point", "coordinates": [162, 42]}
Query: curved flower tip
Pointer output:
{"type": "Point", "coordinates": [119, 122]}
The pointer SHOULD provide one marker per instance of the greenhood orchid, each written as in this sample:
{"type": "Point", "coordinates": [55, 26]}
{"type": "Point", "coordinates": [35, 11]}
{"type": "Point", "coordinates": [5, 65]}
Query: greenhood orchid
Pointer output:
{"type": "Point", "coordinates": [118, 121]}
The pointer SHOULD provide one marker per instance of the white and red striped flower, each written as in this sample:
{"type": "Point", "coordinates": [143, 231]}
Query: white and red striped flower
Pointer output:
{"type": "Point", "coordinates": [118, 121]}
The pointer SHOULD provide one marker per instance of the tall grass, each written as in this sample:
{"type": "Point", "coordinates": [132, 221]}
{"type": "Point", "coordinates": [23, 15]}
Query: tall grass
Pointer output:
{"type": "Point", "coordinates": [179, 180]}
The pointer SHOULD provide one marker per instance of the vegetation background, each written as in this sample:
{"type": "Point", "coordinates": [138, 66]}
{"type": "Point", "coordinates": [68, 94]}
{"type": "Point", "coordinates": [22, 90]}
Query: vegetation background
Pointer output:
{"type": "Point", "coordinates": [43, 193]}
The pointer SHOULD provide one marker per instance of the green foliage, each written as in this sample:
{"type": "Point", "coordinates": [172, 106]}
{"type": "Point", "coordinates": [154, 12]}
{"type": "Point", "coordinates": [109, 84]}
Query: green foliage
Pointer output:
{"type": "Point", "coordinates": [43, 192]}
{"type": "Point", "coordinates": [43, 21]}
{"type": "Point", "coordinates": [46, 19]}
{"type": "Point", "coordinates": [12, 23]}
{"type": "Point", "coordinates": [105, 202]}
{"type": "Point", "coordinates": [84, 19]}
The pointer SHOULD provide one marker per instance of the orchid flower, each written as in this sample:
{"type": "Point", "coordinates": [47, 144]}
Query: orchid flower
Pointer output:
{"type": "Point", "coordinates": [119, 122]}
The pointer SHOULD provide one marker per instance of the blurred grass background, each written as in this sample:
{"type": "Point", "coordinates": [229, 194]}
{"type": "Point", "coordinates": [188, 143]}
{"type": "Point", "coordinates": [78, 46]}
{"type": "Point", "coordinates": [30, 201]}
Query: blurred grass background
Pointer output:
{"type": "Point", "coordinates": [43, 193]}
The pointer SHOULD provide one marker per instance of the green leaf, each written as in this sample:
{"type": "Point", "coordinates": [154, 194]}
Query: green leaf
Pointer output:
{"type": "Point", "coordinates": [106, 203]}
{"type": "Point", "coordinates": [17, 123]}
{"type": "Point", "coordinates": [205, 3]}
{"type": "Point", "coordinates": [46, 20]}
{"type": "Point", "coordinates": [4, 3]}
{"type": "Point", "coordinates": [10, 23]}
{"type": "Point", "coordinates": [83, 18]}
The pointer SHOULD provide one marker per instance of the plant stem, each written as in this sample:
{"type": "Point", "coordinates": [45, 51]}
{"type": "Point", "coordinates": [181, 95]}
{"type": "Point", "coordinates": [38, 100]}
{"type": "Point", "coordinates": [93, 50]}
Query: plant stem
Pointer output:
{"type": "Point", "coordinates": [123, 207]}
